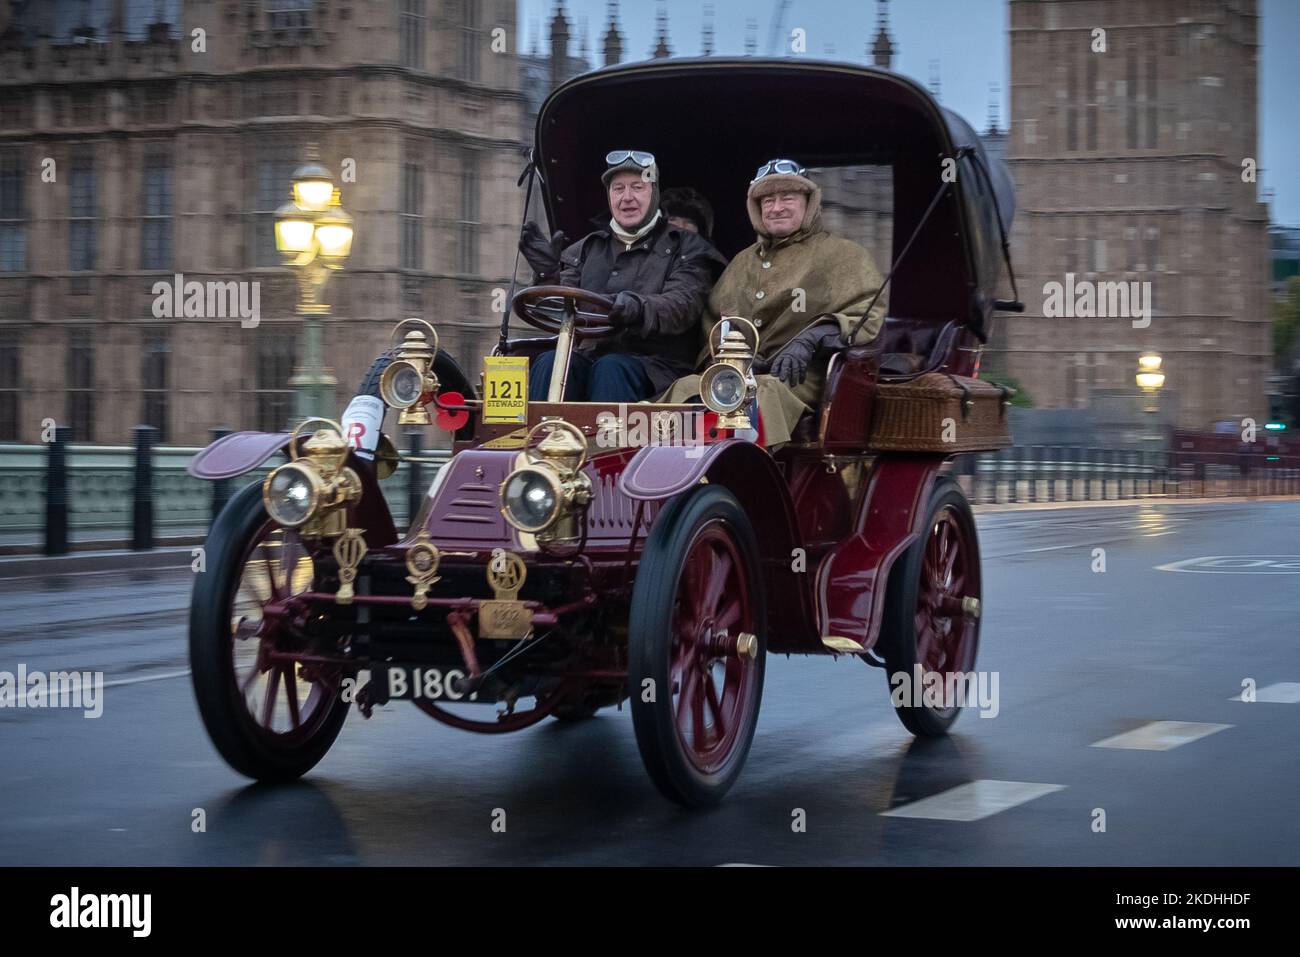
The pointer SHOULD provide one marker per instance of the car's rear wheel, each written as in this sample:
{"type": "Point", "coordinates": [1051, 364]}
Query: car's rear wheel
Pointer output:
{"type": "Point", "coordinates": [932, 613]}
{"type": "Point", "coordinates": [271, 715]}
{"type": "Point", "coordinates": [698, 605]}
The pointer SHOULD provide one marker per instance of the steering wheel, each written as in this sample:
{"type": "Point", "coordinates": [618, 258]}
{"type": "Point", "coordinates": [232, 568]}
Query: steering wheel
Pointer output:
{"type": "Point", "coordinates": [545, 307]}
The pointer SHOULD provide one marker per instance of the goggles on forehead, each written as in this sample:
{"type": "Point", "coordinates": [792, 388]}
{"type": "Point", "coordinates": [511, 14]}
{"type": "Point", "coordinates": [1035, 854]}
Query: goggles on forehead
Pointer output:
{"type": "Point", "coordinates": [786, 166]}
{"type": "Point", "coordinates": [640, 157]}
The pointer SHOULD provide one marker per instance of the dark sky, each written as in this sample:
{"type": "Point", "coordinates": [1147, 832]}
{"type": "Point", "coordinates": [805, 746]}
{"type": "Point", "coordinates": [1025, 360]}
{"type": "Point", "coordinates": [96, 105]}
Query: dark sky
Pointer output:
{"type": "Point", "coordinates": [968, 38]}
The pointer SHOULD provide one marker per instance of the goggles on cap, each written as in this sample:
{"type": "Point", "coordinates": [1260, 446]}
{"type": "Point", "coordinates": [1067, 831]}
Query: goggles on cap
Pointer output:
{"type": "Point", "coordinates": [786, 166]}
{"type": "Point", "coordinates": [640, 157]}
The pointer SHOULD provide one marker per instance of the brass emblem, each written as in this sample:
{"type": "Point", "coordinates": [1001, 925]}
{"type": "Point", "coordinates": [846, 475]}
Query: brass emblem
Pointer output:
{"type": "Point", "coordinates": [422, 562]}
{"type": "Point", "coordinates": [349, 549]}
{"type": "Point", "coordinates": [506, 616]}
{"type": "Point", "coordinates": [506, 574]}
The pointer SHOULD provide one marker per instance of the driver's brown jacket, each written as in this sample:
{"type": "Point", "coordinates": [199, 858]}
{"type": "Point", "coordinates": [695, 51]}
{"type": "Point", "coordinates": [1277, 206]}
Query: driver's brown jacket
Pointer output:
{"type": "Point", "coordinates": [672, 270]}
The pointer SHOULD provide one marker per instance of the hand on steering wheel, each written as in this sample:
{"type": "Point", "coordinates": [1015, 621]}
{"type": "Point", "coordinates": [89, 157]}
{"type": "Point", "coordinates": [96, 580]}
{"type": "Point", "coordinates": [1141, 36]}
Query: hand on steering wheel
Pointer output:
{"type": "Point", "coordinates": [545, 307]}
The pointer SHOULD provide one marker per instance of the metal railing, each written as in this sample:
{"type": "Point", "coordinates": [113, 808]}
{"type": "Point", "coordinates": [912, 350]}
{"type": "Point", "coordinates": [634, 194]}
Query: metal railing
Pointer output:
{"type": "Point", "coordinates": [1061, 474]}
{"type": "Point", "coordinates": [139, 494]}
{"type": "Point", "coordinates": [142, 493]}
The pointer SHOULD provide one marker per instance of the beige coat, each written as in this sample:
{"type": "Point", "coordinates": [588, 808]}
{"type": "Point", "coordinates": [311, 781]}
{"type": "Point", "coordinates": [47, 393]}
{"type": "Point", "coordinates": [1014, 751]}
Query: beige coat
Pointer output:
{"type": "Point", "coordinates": [784, 286]}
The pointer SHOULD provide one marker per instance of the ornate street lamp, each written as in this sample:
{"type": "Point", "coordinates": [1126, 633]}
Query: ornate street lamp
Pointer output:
{"type": "Point", "coordinates": [313, 233]}
{"type": "Point", "coordinates": [1150, 380]}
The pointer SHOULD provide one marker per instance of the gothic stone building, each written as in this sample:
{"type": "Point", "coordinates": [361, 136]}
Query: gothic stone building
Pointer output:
{"type": "Point", "coordinates": [1128, 164]}
{"type": "Point", "coordinates": [130, 152]}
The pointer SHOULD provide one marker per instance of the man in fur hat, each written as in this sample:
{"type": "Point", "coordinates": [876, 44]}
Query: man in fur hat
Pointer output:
{"type": "Point", "coordinates": [658, 275]}
{"type": "Point", "coordinates": [803, 289]}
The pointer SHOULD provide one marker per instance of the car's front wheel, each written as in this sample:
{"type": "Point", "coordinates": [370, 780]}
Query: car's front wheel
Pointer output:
{"type": "Point", "coordinates": [697, 639]}
{"type": "Point", "coordinates": [270, 713]}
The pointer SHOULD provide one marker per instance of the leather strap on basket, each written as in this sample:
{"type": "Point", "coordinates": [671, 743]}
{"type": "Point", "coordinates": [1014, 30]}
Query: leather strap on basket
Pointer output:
{"type": "Point", "coordinates": [1004, 403]}
{"type": "Point", "coordinates": [967, 403]}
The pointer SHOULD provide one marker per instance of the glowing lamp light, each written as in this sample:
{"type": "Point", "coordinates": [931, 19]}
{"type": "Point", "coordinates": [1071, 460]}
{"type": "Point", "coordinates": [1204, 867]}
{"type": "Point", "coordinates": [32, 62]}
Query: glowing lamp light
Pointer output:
{"type": "Point", "coordinates": [293, 229]}
{"type": "Point", "coordinates": [312, 187]}
{"type": "Point", "coordinates": [334, 233]}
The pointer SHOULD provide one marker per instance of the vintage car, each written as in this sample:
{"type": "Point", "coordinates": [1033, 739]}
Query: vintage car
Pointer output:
{"type": "Point", "coordinates": [566, 562]}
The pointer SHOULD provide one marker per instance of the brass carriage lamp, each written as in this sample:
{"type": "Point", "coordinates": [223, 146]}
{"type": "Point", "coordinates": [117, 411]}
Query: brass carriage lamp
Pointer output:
{"type": "Point", "coordinates": [728, 385]}
{"type": "Point", "coordinates": [548, 496]}
{"type": "Point", "coordinates": [312, 490]}
{"type": "Point", "coordinates": [410, 378]}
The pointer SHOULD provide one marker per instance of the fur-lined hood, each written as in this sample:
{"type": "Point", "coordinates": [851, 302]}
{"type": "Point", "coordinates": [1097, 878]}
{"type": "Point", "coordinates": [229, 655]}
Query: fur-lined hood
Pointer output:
{"type": "Point", "coordinates": [780, 183]}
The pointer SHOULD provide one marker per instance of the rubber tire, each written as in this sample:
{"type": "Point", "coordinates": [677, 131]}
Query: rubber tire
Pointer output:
{"type": "Point", "coordinates": [231, 728]}
{"type": "Point", "coordinates": [898, 626]}
{"type": "Point", "coordinates": [650, 643]}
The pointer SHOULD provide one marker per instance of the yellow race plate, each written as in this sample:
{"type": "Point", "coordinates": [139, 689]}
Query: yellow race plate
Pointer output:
{"type": "Point", "coordinates": [505, 389]}
{"type": "Point", "coordinates": [503, 619]}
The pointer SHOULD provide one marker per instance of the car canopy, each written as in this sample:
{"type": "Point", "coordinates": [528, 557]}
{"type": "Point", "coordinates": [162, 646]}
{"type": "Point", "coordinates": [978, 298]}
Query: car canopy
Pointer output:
{"type": "Point", "coordinates": [712, 121]}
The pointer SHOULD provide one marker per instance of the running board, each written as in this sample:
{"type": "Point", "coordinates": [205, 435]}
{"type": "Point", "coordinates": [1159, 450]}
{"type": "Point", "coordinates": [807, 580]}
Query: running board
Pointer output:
{"type": "Point", "coordinates": [843, 646]}
{"type": "Point", "coordinates": [847, 646]}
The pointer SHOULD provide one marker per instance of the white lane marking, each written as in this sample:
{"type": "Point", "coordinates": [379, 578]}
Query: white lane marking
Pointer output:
{"type": "Point", "coordinates": [1236, 565]}
{"type": "Point", "coordinates": [1283, 692]}
{"type": "Point", "coordinates": [143, 678]}
{"type": "Point", "coordinates": [36, 699]}
{"type": "Point", "coordinates": [1161, 735]}
{"type": "Point", "coordinates": [973, 800]}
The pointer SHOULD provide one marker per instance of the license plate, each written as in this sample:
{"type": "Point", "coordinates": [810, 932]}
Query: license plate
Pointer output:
{"type": "Point", "coordinates": [505, 389]}
{"type": "Point", "coordinates": [418, 683]}
{"type": "Point", "coordinates": [500, 618]}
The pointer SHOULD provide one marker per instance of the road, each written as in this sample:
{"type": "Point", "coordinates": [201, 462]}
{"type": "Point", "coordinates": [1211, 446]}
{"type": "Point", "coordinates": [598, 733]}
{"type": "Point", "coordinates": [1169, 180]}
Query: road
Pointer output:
{"type": "Point", "coordinates": [1081, 656]}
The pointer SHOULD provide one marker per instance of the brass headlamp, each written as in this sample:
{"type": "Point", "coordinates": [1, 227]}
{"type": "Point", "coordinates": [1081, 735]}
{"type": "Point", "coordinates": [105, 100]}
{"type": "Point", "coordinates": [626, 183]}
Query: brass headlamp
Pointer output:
{"type": "Point", "coordinates": [548, 496]}
{"type": "Point", "coordinates": [409, 377]}
{"type": "Point", "coordinates": [312, 491]}
{"type": "Point", "coordinates": [728, 385]}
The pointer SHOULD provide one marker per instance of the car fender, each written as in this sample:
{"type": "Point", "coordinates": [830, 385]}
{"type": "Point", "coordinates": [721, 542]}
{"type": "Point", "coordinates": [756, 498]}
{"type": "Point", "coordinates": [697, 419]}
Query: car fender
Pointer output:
{"type": "Point", "coordinates": [241, 452]}
{"type": "Point", "coordinates": [237, 453]}
{"type": "Point", "coordinates": [750, 473]}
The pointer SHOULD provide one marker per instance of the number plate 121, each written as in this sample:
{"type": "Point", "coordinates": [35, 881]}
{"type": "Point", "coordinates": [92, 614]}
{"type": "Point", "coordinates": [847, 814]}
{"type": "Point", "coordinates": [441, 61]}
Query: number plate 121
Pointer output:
{"type": "Point", "coordinates": [505, 389]}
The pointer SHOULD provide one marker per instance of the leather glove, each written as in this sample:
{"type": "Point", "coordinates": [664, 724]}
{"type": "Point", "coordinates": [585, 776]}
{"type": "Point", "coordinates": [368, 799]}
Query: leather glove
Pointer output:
{"type": "Point", "coordinates": [542, 254]}
{"type": "Point", "coordinates": [791, 363]}
{"type": "Point", "coordinates": [628, 309]}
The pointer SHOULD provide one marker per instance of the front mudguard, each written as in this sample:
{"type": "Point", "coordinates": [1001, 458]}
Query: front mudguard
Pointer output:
{"type": "Point", "coordinates": [233, 455]}
{"type": "Point", "coordinates": [242, 452]}
{"type": "Point", "coordinates": [748, 471]}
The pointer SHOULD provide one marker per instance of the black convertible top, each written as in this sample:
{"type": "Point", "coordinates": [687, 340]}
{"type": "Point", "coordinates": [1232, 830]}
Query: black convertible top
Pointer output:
{"type": "Point", "coordinates": [711, 121]}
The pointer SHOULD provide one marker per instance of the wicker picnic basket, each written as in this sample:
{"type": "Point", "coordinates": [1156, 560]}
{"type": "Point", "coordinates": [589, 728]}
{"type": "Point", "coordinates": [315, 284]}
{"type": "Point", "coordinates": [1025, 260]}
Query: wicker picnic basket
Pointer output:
{"type": "Point", "coordinates": [937, 412]}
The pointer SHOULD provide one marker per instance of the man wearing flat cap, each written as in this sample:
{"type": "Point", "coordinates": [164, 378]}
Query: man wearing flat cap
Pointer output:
{"type": "Point", "coordinates": [658, 275]}
{"type": "Point", "coordinates": [803, 289]}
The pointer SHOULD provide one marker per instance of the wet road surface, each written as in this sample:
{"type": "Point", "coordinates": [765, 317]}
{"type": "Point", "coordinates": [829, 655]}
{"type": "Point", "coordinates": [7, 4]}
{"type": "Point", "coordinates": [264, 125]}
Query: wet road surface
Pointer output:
{"type": "Point", "coordinates": [1082, 657]}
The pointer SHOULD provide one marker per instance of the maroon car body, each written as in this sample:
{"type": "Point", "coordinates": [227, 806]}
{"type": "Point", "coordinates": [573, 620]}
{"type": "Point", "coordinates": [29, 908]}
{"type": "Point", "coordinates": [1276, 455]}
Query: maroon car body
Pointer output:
{"type": "Point", "coordinates": [693, 560]}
